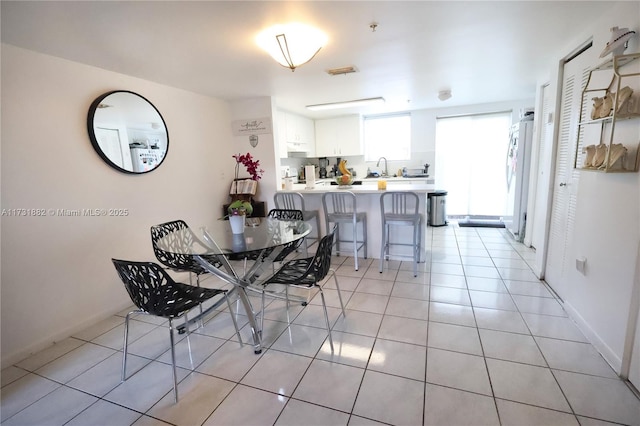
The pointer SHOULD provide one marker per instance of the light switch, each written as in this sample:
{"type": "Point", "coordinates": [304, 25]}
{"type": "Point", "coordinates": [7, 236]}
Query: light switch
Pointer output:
{"type": "Point", "coordinates": [581, 264]}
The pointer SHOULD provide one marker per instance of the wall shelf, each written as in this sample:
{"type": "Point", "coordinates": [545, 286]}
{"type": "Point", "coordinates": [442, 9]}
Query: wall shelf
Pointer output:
{"type": "Point", "coordinates": [586, 136]}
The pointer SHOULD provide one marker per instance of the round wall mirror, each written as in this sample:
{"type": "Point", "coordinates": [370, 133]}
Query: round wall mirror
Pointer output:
{"type": "Point", "coordinates": [128, 132]}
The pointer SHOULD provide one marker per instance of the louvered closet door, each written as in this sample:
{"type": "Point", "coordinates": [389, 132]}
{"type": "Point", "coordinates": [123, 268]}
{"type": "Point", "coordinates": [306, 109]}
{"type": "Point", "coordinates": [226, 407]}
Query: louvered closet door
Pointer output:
{"type": "Point", "coordinates": [559, 257]}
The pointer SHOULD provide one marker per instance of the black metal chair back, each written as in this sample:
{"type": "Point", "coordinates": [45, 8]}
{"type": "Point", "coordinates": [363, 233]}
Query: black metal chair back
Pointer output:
{"type": "Point", "coordinates": [175, 236]}
{"type": "Point", "coordinates": [286, 214]}
{"type": "Point", "coordinates": [308, 273]}
{"type": "Point", "coordinates": [322, 260]}
{"type": "Point", "coordinates": [153, 291]}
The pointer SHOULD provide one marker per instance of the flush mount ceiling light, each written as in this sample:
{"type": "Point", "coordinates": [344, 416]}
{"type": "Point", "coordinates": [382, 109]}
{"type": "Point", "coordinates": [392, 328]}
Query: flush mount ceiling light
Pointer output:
{"type": "Point", "coordinates": [346, 104]}
{"type": "Point", "coordinates": [443, 95]}
{"type": "Point", "coordinates": [291, 45]}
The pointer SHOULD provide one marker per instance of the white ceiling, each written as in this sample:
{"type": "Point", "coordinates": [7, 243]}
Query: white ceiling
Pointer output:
{"type": "Point", "coordinates": [482, 51]}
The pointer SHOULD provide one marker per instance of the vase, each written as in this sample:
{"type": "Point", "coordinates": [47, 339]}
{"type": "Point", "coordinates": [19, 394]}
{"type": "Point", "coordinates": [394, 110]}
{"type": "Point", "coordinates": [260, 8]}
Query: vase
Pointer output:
{"type": "Point", "coordinates": [237, 223]}
{"type": "Point", "coordinates": [238, 244]}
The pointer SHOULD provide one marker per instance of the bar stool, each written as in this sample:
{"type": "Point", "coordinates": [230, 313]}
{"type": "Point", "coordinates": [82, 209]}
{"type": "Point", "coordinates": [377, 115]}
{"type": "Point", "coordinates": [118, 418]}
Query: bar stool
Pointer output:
{"type": "Point", "coordinates": [295, 201]}
{"type": "Point", "coordinates": [400, 209]}
{"type": "Point", "coordinates": [340, 208]}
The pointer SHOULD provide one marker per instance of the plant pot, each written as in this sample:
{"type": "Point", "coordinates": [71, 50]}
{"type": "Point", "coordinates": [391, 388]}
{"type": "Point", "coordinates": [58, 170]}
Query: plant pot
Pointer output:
{"type": "Point", "coordinates": [237, 223]}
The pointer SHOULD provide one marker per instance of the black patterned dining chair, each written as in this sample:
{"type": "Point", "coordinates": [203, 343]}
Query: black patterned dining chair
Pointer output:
{"type": "Point", "coordinates": [175, 236]}
{"type": "Point", "coordinates": [307, 273]}
{"type": "Point", "coordinates": [286, 214]}
{"type": "Point", "coordinates": [154, 292]}
{"type": "Point", "coordinates": [295, 201]}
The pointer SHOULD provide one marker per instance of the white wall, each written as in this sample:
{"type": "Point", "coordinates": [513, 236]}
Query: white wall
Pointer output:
{"type": "Point", "coordinates": [57, 276]}
{"type": "Point", "coordinates": [423, 136]}
{"type": "Point", "coordinates": [265, 151]}
{"type": "Point", "coordinates": [607, 225]}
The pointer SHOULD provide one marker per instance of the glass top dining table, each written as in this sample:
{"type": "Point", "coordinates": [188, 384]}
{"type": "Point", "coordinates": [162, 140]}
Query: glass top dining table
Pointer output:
{"type": "Point", "coordinates": [213, 246]}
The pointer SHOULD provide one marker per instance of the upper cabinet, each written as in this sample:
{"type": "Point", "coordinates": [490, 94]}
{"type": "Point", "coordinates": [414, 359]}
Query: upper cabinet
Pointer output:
{"type": "Point", "coordinates": [297, 133]}
{"type": "Point", "coordinates": [341, 136]}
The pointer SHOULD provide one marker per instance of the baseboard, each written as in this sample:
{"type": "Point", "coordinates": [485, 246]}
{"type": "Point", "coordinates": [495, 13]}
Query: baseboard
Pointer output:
{"type": "Point", "coordinates": [607, 353]}
{"type": "Point", "coordinates": [23, 353]}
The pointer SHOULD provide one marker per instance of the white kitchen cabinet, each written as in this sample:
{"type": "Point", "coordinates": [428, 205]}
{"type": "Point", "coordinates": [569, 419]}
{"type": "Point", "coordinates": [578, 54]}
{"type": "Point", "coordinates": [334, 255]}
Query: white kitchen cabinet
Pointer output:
{"type": "Point", "coordinates": [339, 137]}
{"type": "Point", "coordinates": [298, 134]}
{"type": "Point", "coordinates": [281, 134]}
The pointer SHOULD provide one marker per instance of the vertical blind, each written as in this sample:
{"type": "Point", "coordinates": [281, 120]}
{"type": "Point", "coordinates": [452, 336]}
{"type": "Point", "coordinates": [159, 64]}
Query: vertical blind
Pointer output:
{"type": "Point", "coordinates": [471, 163]}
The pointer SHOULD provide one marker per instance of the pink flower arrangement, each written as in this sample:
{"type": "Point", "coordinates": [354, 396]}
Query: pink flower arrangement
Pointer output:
{"type": "Point", "coordinates": [251, 165]}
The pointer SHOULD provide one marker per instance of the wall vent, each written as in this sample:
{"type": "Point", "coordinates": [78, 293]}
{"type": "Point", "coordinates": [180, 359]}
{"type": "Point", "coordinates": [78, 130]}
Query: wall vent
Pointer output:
{"type": "Point", "coordinates": [342, 70]}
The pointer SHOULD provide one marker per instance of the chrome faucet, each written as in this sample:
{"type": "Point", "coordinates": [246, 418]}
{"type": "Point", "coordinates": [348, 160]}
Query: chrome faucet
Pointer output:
{"type": "Point", "coordinates": [386, 172]}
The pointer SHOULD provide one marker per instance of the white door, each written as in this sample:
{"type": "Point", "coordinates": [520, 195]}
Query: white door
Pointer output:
{"type": "Point", "coordinates": [563, 207]}
{"type": "Point", "coordinates": [536, 175]}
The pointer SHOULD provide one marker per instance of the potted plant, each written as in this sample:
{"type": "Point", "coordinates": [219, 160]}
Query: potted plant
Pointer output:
{"type": "Point", "coordinates": [237, 212]}
{"type": "Point", "coordinates": [240, 208]}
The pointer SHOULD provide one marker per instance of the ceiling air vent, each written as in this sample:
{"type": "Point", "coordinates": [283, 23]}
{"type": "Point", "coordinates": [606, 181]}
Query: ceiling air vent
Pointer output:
{"type": "Point", "coordinates": [343, 70]}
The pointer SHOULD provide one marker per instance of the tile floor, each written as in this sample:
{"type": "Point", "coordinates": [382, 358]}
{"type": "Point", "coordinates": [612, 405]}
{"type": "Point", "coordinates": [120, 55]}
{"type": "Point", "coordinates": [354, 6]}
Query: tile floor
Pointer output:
{"type": "Point", "coordinates": [474, 339]}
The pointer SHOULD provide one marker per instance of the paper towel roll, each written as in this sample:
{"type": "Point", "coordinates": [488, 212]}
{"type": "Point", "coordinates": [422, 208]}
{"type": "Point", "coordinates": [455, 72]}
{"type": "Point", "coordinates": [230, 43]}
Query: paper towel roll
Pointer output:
{"type": "Point", "coordinates": [288, 183]}
{"type": "Point", "coordinates": [310, 176]}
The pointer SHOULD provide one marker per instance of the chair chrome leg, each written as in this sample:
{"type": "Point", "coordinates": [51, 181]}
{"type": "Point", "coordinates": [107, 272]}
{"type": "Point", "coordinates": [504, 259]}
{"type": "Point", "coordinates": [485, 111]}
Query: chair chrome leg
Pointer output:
{"type": "Point", "coordinates": [306, 247]}
{"type": "Point", "coordinates": [173, 362]}
{"type": "Point", "coordinates": [364, 236]}
{"type": "Point", "coordinates": [262, 311]}
{"type": "Point", "coordinates": [286, 295]}
{"type": "Point", "coordinates": [355, 242]}
{"type": "Point", "coordinates": [416, 249]}
{"type": "Point", "coordinates": [335, 279]}
{"type": "Point", "coordinates": [383, 245]}
{"type": "Point", "coordinates": [125, 348]}
{"type": "Point", "coordinates": [318, 233]}
{"type": "Point", "coordinates": [326, 317]}
{"type": "Point", "coordinates": [187, 331]}
{"type": "Point", "coordinates": [198, 285]}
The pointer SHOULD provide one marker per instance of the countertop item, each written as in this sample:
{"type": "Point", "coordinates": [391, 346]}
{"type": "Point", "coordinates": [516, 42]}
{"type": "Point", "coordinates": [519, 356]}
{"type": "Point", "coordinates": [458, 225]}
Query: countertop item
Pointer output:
{"type": "Point", "coordinates": [422, 188]}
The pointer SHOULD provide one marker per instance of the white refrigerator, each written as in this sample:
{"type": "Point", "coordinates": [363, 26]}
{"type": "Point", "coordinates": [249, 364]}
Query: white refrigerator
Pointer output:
{"type": "Point", "coordinates": [144, 160]}
{"type": "Point", "coordinates": [517, 176]}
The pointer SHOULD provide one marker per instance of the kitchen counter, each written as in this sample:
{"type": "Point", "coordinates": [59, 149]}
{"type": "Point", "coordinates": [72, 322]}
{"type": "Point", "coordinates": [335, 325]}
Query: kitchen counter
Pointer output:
{"type": "Point", "coordinates": [388, 179]}
{"type": "Point", "coordinates": [368, 200]}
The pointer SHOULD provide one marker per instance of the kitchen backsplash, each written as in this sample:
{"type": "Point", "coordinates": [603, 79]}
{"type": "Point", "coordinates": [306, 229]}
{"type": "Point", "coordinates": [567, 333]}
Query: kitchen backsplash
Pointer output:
{"type": "Point", "coordinates": [360, 167]}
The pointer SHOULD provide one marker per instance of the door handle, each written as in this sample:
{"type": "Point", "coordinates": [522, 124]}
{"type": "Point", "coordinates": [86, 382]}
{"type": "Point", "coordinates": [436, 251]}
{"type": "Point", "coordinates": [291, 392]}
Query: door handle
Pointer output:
{"type": "Point", "coordinates": [563, 184]}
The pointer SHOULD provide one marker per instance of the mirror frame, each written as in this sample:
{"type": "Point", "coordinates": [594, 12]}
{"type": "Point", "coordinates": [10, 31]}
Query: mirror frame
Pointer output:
{"type": "Point", "coordinates": [94, 141]}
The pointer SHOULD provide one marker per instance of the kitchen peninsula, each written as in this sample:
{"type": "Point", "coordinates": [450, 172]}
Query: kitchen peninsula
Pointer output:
{"type": "Point", "coordinates": [368, 200]}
